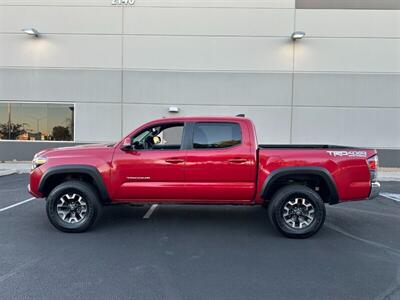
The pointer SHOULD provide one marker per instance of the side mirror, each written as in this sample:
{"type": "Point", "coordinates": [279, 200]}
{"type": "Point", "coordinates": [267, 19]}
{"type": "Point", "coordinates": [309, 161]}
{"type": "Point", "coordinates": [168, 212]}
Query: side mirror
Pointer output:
{"type": "Point", "coordinates": [136, 145]}
{"type": "Point", "coordinates": [127, 144]}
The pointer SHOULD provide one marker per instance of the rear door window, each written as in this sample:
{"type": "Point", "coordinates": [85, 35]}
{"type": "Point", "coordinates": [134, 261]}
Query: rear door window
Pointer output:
{"type": "Point", "coordinates": [216, 135]}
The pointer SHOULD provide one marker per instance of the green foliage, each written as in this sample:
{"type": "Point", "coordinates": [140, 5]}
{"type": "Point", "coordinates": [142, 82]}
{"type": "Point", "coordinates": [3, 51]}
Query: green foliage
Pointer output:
{"type": "Point", "coordinates": [61, 133]}
{"type": "Point", "coordinates": [11, 131]}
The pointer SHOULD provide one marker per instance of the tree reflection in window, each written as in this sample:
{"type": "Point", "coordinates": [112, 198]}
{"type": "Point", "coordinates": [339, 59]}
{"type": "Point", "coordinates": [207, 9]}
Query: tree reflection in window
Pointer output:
{"type": "Point", "coordinates": [36, 121]}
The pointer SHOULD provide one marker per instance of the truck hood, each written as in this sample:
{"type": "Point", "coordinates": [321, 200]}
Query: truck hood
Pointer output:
{"type": "Point", "coordinates": [81, 150]}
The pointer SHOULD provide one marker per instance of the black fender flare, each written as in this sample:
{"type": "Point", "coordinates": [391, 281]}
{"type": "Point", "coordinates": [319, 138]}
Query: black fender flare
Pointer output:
{"type": "Point", "coordinates": [91, 171]}
{"type": "Point", "coordinates": [321, 172]}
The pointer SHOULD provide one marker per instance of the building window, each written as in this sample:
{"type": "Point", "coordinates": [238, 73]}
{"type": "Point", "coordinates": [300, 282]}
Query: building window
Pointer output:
{"type": "Point", "coordinates": [36, 121]}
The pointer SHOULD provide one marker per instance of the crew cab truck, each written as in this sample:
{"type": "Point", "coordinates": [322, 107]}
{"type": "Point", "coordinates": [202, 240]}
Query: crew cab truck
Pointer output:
{"type": "Point", "coordinates": [202, 160]}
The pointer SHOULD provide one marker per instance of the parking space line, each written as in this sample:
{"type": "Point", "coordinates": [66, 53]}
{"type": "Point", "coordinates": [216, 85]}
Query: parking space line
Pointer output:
{"type": "Point", "coordinates": [17, 204]}
{"type": "Point", "coordinates": [150, 211]}
{"type": "Point", "coordinates": [364, 211]}
{"type": "Point", "coordinates": [392, 196]}
{"type": "Point", "coordinates": [372, 243]}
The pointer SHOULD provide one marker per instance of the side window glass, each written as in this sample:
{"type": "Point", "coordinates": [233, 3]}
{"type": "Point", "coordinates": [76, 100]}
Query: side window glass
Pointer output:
{"type": "Point", "coordinates": [216, 135]}
{"type": "Point", "coordinates": [161, 137]}
{"type": "Point", "coordinates": [171, 136]}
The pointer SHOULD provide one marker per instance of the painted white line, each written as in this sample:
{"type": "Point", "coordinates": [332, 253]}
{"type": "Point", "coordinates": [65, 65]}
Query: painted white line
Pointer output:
{"type": "Point", "coordinates": [150, 211]}
{"type": "Point", "coordinates": [17, 204]}
{"type": "Point", "coordinates": [392, 196]}
{"type": "Point", "coordinates": [364, 211]}
{"type": "Point", "coordinates": [348, 234]}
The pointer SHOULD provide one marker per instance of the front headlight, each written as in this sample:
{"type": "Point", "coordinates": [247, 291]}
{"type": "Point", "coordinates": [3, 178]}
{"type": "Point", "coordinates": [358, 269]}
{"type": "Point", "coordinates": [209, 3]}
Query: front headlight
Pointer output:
{"type": "Point", "coordinates": [38, 161]}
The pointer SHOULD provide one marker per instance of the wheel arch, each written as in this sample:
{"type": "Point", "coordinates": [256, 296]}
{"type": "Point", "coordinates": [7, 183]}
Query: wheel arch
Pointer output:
{"type": "Point", "coordinates": [58, 174]}
{"type": "Point", "coordinates": [314, 176]}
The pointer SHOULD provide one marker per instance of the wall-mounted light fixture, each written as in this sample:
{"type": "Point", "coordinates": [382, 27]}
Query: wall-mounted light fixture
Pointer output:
{"type": "Point", "coordinates": [31, 31]}
{"type": "Point", "coordinates": [173, 109]}
{"type": "Point", "coordinates": [298, 35]}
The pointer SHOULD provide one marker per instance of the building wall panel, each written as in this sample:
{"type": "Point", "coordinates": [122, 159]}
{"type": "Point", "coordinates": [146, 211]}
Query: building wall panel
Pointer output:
{"type": "Point", "coordinates": [364, 127]}
{"type": "Point", "coordinates": [347, 90]}
{"type": "Point", "coordinates": [68, 51]}
{"type": "Point", "coordinates": [56, 2]}
{"type": "Point", "coordinates": [219, 3]}
{"type": "Point", "coordinates": [208, 21]}
{"type": "Point", "coordinates": [163, 3]}
{"type": "Point", "coordinates": [349, 23]}
{"type": "Point", "coordinates": [55, 19]}
{"type": "Point", "coordinates": [207, 53]}
{"type": "Point", "coordinates": [348, 4]}
{"type": "Point", "coordinates": [212, 88]}
{"type": "Point", "coordinates": [348, 55]}
{"type": "Point", "coordinates": [97, 122]}
{"type": "Point", "coordinates": [55, 85]}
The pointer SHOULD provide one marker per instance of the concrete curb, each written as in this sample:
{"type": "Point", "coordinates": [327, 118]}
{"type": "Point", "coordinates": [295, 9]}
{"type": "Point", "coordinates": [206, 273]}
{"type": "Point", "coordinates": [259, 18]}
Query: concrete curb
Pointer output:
{"type": "Point", "coordinates": [389, 174]}
{"type": "Point", "coordinates": [7, 172]}
{"type": "Point", "coordinates": [9, 168]}
{"type": "Point", "coordinates": [389, 177]}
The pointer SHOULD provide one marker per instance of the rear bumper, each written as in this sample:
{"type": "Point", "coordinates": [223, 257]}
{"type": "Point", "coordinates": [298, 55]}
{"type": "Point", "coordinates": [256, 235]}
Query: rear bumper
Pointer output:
{"type": "Point", "coordinates": [375, 189]}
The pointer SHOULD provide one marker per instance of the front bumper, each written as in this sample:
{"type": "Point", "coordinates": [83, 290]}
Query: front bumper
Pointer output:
{"type": "Point", "coordinates": [36, 195]}
{"type": "Point", "coordinates": [375, 189]}
{"type": "Point", "coordinates": [34, 181]}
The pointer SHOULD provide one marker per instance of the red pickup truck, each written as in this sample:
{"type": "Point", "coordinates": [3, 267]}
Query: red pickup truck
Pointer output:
{"type": "Point", "coordinates": [202, 160]}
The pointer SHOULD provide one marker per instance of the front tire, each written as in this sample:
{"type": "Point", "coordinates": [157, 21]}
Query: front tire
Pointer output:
{"type": "Point", "coordinates": [297, 211]}
{"type": "Point", "coordinates": [73, 206]}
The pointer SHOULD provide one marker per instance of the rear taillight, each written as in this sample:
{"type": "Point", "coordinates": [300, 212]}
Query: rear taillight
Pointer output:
{"type": "Point", "coordinates": [373, 167]}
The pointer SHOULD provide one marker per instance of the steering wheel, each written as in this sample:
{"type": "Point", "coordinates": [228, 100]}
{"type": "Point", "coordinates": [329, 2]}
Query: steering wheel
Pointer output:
{"type": "Point", "coordinates": [148, 142]}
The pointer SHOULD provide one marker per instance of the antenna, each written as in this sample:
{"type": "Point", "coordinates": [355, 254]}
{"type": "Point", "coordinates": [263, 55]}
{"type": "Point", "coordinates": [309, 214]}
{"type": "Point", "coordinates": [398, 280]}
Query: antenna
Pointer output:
{"type": "Point", "coordinates": [240, 115]}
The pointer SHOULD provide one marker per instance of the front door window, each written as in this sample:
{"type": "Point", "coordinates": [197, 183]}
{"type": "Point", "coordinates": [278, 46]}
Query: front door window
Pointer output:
{"type": "Point", "coordinates": [161, 137]}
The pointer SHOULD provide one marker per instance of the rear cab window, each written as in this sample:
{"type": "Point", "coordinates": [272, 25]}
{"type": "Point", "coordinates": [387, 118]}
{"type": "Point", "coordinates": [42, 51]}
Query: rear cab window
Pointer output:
{"type": "Point", "coordinates": [216, 135]}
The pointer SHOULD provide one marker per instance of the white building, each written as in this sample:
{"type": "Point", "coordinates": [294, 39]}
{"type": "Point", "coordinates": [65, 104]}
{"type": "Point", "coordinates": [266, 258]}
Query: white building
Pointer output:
{"type": "Point", "coordinates": [98, 70]}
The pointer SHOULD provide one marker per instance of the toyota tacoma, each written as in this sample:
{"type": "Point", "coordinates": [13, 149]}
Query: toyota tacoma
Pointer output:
{"type": "Point", "coordinates": [202, 160]}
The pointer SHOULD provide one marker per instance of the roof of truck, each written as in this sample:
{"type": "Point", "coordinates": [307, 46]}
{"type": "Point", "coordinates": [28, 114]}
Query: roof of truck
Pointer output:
{"type": "Point", "coordinates": [202, 118]}
{"type": "Point", "coordinates": [192, 119]}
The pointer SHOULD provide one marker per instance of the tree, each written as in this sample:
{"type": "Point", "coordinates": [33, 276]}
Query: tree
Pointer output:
{"type": "Point", "coordinates": [61, 133]}
{"type": "Point", "coordinates": [11, 131]}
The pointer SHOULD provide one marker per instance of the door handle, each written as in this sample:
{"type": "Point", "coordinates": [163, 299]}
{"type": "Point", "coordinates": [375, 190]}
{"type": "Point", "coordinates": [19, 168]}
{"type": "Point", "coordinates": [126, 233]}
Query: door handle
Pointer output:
{"type": "Point", "coordinates": [174, 160]}
{"type": "Point", "coordinates": [237, 160]}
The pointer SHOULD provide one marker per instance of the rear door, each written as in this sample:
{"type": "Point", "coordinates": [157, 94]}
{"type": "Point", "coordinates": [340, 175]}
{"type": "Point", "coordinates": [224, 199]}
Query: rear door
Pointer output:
{"type": "Point", "coordinates": [219, 164]}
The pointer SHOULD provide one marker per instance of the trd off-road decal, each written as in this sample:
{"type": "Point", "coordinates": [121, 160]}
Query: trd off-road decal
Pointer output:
{"type": "Point", "coordinates": [347, 153]}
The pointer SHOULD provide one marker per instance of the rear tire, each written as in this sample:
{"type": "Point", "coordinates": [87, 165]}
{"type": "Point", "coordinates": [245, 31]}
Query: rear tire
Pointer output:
{"type": "Point", "coordinates": [297, 211]}
{"type": "Point", "coordinates": [73, 206]}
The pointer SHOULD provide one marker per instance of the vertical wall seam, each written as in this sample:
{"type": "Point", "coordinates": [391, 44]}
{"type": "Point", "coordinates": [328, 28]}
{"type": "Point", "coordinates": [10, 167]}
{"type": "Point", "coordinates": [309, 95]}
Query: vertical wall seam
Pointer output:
{"type": "Point", "coordinates": [122, 71]}
{"type": "Point", "coordinates": [292, 100]}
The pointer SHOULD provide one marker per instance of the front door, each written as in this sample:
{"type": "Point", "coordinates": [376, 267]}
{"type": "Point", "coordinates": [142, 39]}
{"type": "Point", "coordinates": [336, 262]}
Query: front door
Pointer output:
{"type": "Point", "coordinates": [154, 169]}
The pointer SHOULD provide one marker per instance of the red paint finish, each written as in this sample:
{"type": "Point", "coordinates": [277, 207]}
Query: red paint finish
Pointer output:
{"type": "Point", "coordinates": [148, 174]}
{"type": "Point", "coordinates": [34, 180]}
{"type": "Point", "coordinates": [351, 175]}
{"type": "Point", "coordinates": [222, 174]}
{"type": "Point", "coordinates": [211, 176]}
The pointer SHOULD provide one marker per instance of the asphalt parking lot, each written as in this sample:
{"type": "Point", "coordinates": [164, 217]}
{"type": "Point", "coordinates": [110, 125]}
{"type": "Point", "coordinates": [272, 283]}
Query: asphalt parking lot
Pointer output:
{"type": "Point", "coordinates": [198, 252]}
